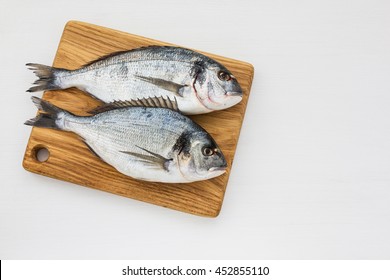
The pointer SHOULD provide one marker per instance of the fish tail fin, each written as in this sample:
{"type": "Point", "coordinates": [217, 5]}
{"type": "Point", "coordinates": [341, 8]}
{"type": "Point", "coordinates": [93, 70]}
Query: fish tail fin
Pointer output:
{"type": "Point", "coordinates": [47, 77]}
{"type": "Point", "coordinates": [50, 116]}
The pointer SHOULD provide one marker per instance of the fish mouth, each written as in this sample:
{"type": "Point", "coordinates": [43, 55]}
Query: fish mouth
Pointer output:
{"type": "Point", "coordinates": [234, 93]}
{"type": "Point", "coordinates": [221, 168]}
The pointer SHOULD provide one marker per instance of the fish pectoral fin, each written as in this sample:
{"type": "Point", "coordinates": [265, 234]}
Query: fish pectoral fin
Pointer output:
{"type": "Point", "coordinates": [164, 84]}
{"type": "Point", "coordinates": [152, 159]}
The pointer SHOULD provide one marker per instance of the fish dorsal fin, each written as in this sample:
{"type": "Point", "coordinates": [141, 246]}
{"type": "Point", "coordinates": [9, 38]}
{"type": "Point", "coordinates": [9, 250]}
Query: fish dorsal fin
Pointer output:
{"type": "Point", "coordinates": [116, 53]}
{"type": "Point", "coordinates": [150, 102]}
{"type": "Point", "coordinates": [101, 58]}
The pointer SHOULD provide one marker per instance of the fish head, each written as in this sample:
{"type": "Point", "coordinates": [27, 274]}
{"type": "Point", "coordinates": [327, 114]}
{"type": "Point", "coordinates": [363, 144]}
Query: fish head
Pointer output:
{"type": "Point", "coordinates": [200, 158]}
{"type": "Point", "coordinates": [217, 88]}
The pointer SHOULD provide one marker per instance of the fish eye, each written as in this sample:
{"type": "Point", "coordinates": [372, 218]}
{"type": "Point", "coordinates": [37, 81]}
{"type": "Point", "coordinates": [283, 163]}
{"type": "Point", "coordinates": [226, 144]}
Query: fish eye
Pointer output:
{"type": "Point", "coordinates": [223, 76]}
{"type": "Point", "coordinates": [206, 151]}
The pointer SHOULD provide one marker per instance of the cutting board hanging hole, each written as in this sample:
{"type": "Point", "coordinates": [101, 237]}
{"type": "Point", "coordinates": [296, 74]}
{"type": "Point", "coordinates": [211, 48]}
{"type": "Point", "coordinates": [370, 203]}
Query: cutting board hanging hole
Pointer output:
{"type": "Point", "coordinates": [40, 153]}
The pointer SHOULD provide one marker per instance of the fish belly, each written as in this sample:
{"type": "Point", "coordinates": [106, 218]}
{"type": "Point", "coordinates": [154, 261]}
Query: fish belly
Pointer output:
{"type": "Point", "coordinates": [124, 81]}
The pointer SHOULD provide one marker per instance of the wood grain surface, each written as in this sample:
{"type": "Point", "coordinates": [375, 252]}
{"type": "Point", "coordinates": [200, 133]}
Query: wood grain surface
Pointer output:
{"type": "Point", "coordinates": [70, 160]}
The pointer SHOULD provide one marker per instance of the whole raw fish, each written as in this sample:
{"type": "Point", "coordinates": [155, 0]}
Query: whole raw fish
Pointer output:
{"type": "Point", "coordinates": [152, 144]}
{"type": "Point", "coordinates": [199, 83]}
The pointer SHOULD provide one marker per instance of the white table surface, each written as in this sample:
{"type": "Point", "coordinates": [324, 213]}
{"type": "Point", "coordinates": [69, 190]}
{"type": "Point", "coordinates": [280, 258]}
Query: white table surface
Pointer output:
{"type": "Point", "coordinates": [311, 175]}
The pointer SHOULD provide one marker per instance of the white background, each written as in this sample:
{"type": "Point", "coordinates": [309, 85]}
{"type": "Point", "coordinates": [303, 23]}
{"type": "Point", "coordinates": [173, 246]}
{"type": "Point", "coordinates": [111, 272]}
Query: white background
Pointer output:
{"type": "Point", "coordinates": [277, 269]}
{"type": "Point", "coordinates": [311, 175]}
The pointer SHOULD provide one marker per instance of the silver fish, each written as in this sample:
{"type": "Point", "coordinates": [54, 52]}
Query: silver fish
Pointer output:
{"type": "Point", "coordinates": [199, 83]}
{"type": "Point", "coordinates": [152, 144]}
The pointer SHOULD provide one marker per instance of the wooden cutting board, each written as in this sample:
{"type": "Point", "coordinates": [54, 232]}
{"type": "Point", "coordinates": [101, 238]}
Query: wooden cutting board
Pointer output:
{"type": "Point", "coordinates": [70, 160]}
